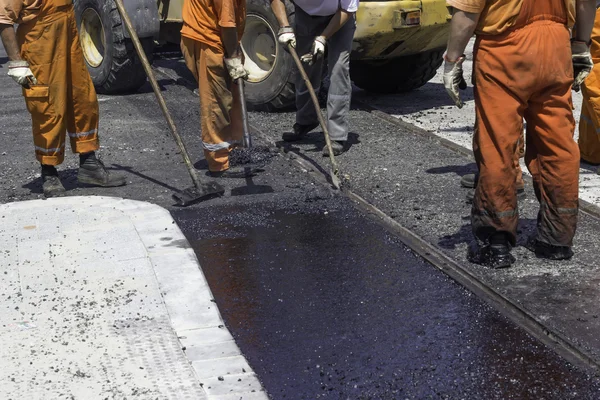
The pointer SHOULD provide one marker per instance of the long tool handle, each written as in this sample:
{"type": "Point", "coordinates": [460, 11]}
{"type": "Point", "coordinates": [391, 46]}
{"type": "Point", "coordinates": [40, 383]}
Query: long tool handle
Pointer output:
{"type": "Point", "coordinates": [315, 101]}
{"type": "Point", "coordinates": [157, 92]}
{"type": "Point", "coordinates": [246, 127]}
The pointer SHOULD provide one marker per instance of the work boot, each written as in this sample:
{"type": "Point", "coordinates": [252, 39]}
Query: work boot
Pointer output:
{"type": "Point", "coordinates": [93, 172]}
{"type": "Point", "coordinates": [495, 254]}
{"type": "Point", "coordinates": [337, 146]}
{"type": "Point", "coordinates": [51, 184]}
{"type": "Point", "coordinates": [548, 251]}
{"type": "Point", "coordinates": [469, 181]}
{"type": "Point", "coordinates": [299, 133]}
{"type": "Point", "coordinates": [235, 173]}
{"type": "Point", "coordinates": [521, 195]}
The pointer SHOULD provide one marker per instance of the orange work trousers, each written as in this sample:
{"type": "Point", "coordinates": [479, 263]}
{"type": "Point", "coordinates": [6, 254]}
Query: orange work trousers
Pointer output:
{"type": "Point", "coordinates": [526, 74]}
{"type": "Point", "coordinates": [589, 124]}
{"type": "Point", "coordinates": [220, 107]}
{"type": "Point", "coordinates": [64, 100]}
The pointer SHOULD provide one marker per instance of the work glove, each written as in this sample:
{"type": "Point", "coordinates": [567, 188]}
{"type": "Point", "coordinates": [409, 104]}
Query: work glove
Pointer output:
{"type": "Point", "coordinates": [454, 80]}
{"type": "Point", "coordinates": [286, 36]}
{"type": "Point", "coordinates": [582, 63]}
{"type": "Point", "coordinates": [20, 72]}
{"type": "Point", "coordinates": [236, 69]}
{"type": "Point", "coordinates": [316, 52]}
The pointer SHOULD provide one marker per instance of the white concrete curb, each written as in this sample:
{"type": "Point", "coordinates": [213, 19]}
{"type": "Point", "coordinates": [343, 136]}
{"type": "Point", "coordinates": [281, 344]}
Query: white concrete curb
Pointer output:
{"type": "Point", "coordinates": [218, 363]}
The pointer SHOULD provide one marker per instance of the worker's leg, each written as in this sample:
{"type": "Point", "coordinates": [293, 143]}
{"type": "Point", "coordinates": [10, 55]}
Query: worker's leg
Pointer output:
{"type": "Point", "coordinates": [82, 110]}
{"type": "Point", "coordinates": [216, 101]}
{"type": "Point", "coordinates": [44, 46]}
{"type": "Point", "coordinates": [553, 160]}
{"type": "Point", "coordinates": [340, 85]}
{"type": "Point", "coordinates": [307, 28]}
{"type": "Point", "coordinates": [495, 146]}
{"type": "Point", "coordinates": [553, 157]}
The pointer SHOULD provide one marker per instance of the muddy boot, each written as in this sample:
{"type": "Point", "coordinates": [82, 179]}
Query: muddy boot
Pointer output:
{"type": "Point", "coordinates": [299, 133]}
{"type": "Point", "coordinates": [548, 251]}
{"type": "Point", "coordinates": [496, 254]}
{"type": "Point", "coordinates": [93, 172]}
{"type": "Point", "coordinates": [337, 146]}
{"type": "Point", "coordinates": [51, 184]}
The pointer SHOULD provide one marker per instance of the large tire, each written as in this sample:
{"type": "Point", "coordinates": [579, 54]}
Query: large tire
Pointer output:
{"type": "Point", "coordinates": [271, 85]}
{"type": "Point", "coordinates": [110, 57]}
{"type": "Point", "coordinates": [397, 75]}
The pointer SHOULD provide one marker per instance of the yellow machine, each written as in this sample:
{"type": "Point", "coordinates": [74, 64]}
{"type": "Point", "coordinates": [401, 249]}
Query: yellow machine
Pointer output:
{"type": "Point", "coordinates": [398, 45]}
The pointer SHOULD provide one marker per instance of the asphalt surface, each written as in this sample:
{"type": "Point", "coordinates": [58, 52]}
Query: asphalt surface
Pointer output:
{"type": "Point", "coordinates": [322, 301]}
{"type": "Point", "coordinates": [325, 303]}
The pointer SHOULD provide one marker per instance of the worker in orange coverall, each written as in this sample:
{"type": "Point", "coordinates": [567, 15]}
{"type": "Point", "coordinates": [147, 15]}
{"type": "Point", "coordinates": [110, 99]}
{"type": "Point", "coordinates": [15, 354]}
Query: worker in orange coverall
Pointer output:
{"type": "Point", "coordinates": [589, 124]}
{"type": "Point", "coordinates": [522, 69]}
{"type": "Point", "coordinates": [47, 61]}
{"type": "Point", "coordinates": [210, 42]}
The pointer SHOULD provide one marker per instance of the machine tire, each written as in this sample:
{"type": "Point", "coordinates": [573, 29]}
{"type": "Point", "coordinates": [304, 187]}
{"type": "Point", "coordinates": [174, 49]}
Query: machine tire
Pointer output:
{"type": "Point", "coordinates": [272, 89]}
{"type": "Point", "coordinates": [397, 75]}
{"type": "Point", "coordinates": [112, 62]}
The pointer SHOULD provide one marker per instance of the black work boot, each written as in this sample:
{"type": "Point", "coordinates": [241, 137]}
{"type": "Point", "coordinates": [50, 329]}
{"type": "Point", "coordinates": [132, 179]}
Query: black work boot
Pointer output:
{"type": "Point", "coordinates": [300, 131]}
{"type": "Point", "coordinates": [548, 251]}
{"type": "Point", "coordinates": [93, 172]}
{"type": "Point", "coordinates": [495, 254]}
{"type": "Point", "coordinates": [337, 146]}
{"type": "Point", "coordinates": [51, 184]}
{"type": "Point", "coordinates": [469, 181]}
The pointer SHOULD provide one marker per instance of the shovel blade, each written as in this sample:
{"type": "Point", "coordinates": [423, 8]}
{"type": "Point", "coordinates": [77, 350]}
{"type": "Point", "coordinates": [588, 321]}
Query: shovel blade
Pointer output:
{"type": "Point", "coordinates": [193, 194]}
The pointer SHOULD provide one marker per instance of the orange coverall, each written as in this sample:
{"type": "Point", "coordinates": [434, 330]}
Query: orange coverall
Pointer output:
{"type": "Point", "coordinates": [526, 72]}
{"type": "Point", "coordinates": [64, 100]}
{"type": "Point", "coordinates": [220, 108]}
{"type": "Point", "coordinates": [589, 124]}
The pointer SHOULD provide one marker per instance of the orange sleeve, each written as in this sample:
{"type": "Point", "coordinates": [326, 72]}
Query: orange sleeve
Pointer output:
{"type": "Point", "coordinates": [225, 10]}
{"type": "Point", "coordinates": [469, 6]}
{"type": "Point", "coordinates": [10, 11]}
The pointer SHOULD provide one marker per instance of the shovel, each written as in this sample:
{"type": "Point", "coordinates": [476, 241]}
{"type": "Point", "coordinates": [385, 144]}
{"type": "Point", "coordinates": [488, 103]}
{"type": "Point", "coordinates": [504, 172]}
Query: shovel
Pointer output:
{"type": "Point", "coordinates": [201, 189]}
{"type": "Point", "coordinates": [335, 169]}
{"type": "Point", "coordinates": [250, 187]}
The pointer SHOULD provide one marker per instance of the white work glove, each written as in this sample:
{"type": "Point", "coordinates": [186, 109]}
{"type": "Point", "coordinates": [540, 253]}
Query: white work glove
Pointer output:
{"type": "Point", "coordinates": [582, 63]}
{"type": "Point", "coordinates": [316, 52]}
{"type": "Point", "coordinates": [20, 72]}
{"type": "Point", "coordinates": [236, 69]}
{"type": "Point", "coordinates": [454, 80]}
{"type": "Point", "coordinates": [286, 36]}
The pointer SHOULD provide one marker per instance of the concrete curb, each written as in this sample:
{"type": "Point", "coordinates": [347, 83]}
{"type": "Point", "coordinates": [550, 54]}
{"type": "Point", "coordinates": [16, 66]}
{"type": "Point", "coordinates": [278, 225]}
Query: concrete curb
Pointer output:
{"type": "Point", "coordinates": [218, 363]}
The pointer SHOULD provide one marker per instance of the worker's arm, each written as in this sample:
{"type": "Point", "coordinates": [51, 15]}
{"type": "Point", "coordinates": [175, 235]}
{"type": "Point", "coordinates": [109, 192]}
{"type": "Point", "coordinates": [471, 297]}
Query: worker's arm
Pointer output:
{"type": "Point", "coordinates": [580, 49]}
{"type": "Point", "coordinates": [18, 69]}
{"type": "Point", "coordinates": [286, 35]}
{"type": "Point", "coordinates": [227, 17]}
{"type": "Point", "coordinates": [462, 29]}
{"type": "Point", "coordinates": [9, 40]}
{"type": "Point", "coordinates": [584, 22]}
{"type": "Point", "coordinates": [336, 23]}
{"type": "Point", "coordinates": [229, 37]}
{"type": "Point", "coordinates": [280, 12]}
{"type": "Point", "coordinates": [339, 19]}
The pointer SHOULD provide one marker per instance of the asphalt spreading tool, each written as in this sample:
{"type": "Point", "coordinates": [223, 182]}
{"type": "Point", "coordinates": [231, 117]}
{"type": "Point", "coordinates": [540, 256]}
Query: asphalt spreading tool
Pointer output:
{"type": "Point", "coordinates": [335, 169]}
{"type": "Point", "coordinates": [201, 190]}
{"type": "Point", "coordinates": [250, 188]}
